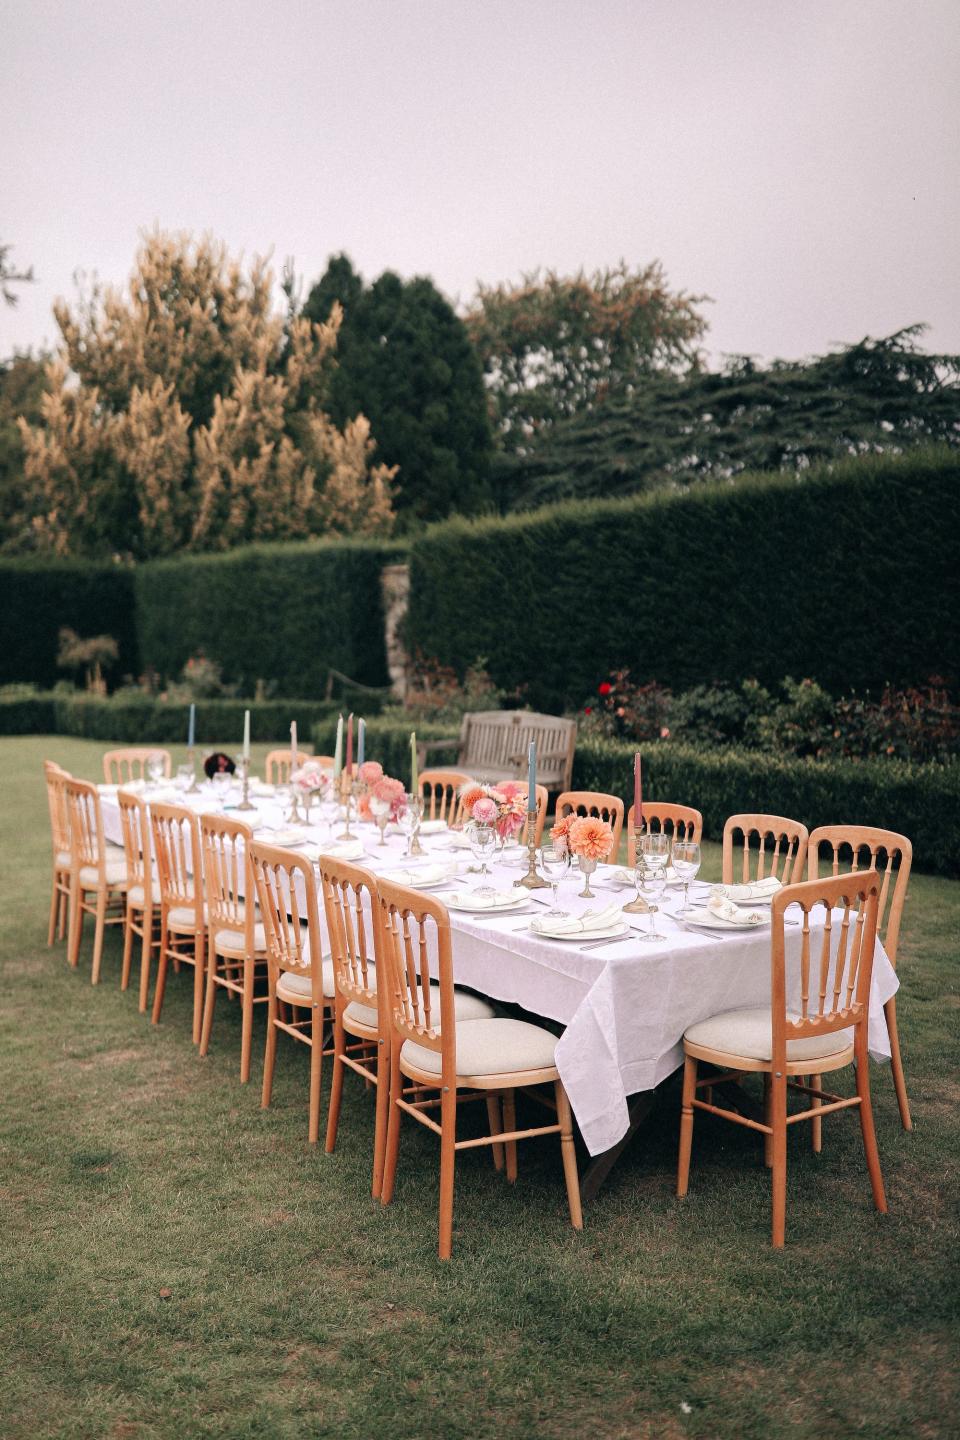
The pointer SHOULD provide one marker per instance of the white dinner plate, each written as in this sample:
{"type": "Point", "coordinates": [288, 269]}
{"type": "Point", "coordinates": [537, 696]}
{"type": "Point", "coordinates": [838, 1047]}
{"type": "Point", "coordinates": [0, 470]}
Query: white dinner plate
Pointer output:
{"type": "Point", "coordinates": [413, 881]}
{"type": "Point", "coordinates": [706, 920]}
{"type": "Point", "coordinates": [464, 900]}
{"type": "Point", "coordinates": [583, 937]}
{"type": "Point", "coordinates": [764, 900]}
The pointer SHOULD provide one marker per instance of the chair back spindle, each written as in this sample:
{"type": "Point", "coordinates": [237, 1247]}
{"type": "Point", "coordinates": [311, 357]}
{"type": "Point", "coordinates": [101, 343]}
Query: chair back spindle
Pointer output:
{"type": "Point", "coordinates": [773, 844]}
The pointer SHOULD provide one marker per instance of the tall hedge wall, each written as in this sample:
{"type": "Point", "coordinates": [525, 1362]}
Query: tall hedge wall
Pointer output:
{"type": "Point", "coordinates": [38, 597]}
{"type": "Point", "coordinates": [849, 576]}
{"type": "Point", "coordinates": [285, 613]}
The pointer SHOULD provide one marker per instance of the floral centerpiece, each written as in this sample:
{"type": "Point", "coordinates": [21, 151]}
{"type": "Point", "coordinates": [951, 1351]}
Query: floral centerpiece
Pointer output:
{"type": "Point", "coordinates": [502, 806]}
{"type": "Point", "coordinates": [384, 800]}
{"type": "Point", "coordinates": [311, 779]}
{"type": "Point", "coordinates": [589, 838]}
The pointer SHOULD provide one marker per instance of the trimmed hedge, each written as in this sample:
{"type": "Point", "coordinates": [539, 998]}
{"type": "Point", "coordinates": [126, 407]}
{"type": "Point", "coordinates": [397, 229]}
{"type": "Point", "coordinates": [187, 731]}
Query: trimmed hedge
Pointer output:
{"type": "Point", "coordinates": [920, 801]}
{"type": "Point", "coordinates": [848, 575]}
{"type": "Point", "coordinates": [38, 597]}
{"type": "Point", "coordinates": [149, 721]}
{"type": "Point", "coordinates": [284, 613]}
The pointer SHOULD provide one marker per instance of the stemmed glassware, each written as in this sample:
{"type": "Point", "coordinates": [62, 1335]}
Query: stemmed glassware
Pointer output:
{"type": "Point", "coordinates": [652, 855]}
{"type": "Point", "coordinates": [483, 843]}
{"type": "Point", "coordinates": [686, 862]}
{"type": "Point", "coordinates": [409, 820]}
{"type": "Point", "coordinates": [554, 864]}
{"type": "Point", "coordinates": [184, 778]}
{"type": "Point", "coordinates": [155, 768]}
{"type": "Point", "coordinates": [380, 810]}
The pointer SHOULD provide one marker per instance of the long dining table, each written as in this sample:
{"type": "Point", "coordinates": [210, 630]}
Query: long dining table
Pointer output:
{"type": "Point", "coordinates": [623, 1005]}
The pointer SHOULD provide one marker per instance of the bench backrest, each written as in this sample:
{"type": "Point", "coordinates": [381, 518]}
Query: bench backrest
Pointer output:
{"type": "Point", "coordinates": [494, 744]}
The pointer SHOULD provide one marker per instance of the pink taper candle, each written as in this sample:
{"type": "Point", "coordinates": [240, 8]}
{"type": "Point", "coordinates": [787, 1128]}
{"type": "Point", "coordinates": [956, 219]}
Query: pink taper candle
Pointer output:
{"type": "Point", "coordinates": [637, 796]}
{"type": "Point", "coordinates": [350, 744]}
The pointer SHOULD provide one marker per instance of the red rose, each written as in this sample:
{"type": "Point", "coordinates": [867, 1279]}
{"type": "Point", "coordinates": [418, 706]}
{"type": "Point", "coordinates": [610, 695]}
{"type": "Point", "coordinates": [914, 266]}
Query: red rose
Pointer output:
{"type": "Point", "coordinates": [605, 687]}
{"type": "Point", "coordinates": [588, 709]}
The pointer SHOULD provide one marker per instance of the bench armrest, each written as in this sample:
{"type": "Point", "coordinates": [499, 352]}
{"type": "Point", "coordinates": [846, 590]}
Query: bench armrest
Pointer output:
{"type": "Point", "coordinates": [423, 746]}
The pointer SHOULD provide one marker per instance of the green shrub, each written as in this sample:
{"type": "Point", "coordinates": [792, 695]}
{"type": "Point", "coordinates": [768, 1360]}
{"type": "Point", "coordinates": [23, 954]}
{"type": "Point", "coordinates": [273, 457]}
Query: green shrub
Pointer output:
{"type": "Point", "coordinates": [38, 598]}
{"type": "Point", "coordinates": [141, 719]}
{"type": "Point", "coordinates": [26, 713]}
{"type": "Point", "coordinates": [845, 575]}
{"type": "Point", "coordinates": [285, 614]}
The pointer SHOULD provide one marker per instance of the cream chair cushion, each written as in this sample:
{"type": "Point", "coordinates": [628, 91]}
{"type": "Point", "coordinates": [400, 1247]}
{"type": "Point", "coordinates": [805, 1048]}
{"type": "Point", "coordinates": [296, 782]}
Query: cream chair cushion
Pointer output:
{"type": "Point", "coordinates": [231, 942]}
{"type": "Point", "coordinates": [62, 861]}
{"type": "Point", "coordinates": [466, 1006]}
{"type": "Point", "coordinates": [297, 989]}
{"type": "Point", "coordinates": [116, 873]}
{"type": "Point", "coordinates": [184, 917]}
{"type": "Point", "coordinates": [135, 894]}
{"type": "Point", "coordinates": [490, 1048]}
{"type": "Point", "coordinates": [750, 1033]}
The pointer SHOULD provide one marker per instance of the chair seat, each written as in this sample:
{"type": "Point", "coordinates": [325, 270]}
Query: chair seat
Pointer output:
{"type": "Point", "coordinates": [749, 1033]}
{"type": "Point", "coordinates": [62, 860]}
{"type": "Point", "coordinates": [488, 1048]}
{"type": "Point", "coordinates": [466, 1007]}
{"type": "Point", "coordinates": [231, 942]}
{"type": "Point", "coordinates": [116, 873]}
{"type": "Point", "coordinates": [135, 895]}
{"type": "Point", "coordinates": [297, 989]}
{"type": "Point", "coordinates": [184, 917]}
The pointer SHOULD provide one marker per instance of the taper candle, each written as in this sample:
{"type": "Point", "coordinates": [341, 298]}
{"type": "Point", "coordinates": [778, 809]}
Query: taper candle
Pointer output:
{"type": "Point", "coordinates": [532, 776]}
{"type": "Point", "coordinates": [338, 750]}
{"type": "Point", "coordinates": [246, 734]}
{"type": "Point", "coordinates": [350, 743]}
{"type": "Point", "coordinates": [637, 796]}
{"type": "Point", "coordinates": [361, 740]}
{"type": "Point", "coordinates": [293, 747]}
{"type": "Point", "coordinates": [192, 726]}
{"type": "Point", "coordinates": [414, 774]}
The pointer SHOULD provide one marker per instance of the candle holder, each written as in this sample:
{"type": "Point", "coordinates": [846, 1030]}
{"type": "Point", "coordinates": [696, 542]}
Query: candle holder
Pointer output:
{"type": "Point", "coordinates": [346, 791]}
{"type": "Point", "coordinates": [532, 881]}
{"type": "Point", "coordinates": [193, 788]}
{"type": "Point", "coordinates": [294, 818]}
{"type": "Point", "coordinates": [587, 868]}
{"type": "Point", "coordinates": [245, 801]}
{"type": "Point", "coordinates": [415, 847]}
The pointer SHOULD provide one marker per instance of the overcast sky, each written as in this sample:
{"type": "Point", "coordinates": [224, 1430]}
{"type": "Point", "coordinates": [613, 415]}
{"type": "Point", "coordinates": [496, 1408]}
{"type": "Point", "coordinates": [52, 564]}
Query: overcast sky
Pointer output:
{"type": "Point", "coordinates": [795, 160]}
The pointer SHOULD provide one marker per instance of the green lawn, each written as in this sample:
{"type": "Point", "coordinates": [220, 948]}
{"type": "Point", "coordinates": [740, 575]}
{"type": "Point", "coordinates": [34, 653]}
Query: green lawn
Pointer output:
{"type": "Point", "coordinates": [298, 1307]}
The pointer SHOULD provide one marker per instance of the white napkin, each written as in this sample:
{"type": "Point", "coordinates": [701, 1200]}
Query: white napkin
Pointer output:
{"type": "Point", "coordinates": [423, 875]}
{"type": "Point", "coordinates": [260, 787]}
{"type": "Point", "coordinates": [488, 902]}
{"type": "Point", "coordinates": [345, 850]}
{"type": "Point", "coordinates": [427, 827]}
{"type": "Point", "coordinates": [756, 890]}
{"type": "Point", "coordinates": [583, 924]}
{"type": "Point", "coordinates": [623, 875]}
{"type": "Point", "coordinates": [726, 910]}
{"type": "Point", "coordinates": [459, 840]}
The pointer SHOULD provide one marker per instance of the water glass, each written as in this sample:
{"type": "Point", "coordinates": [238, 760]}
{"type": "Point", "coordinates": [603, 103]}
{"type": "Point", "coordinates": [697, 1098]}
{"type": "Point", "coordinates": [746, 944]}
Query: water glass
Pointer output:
{"type": "Point", "coordinates": [483, 843]}
{"type": "Point", "coordinates": [653, 882]}
{"type": "Point", "coordinates": [554, 864]}
{"type": "Point", "coordinates": [184, 778]}
{"type": "Point", "coordinates": [686, 862]}
{"type": "Point", "coordinates": [409, 819]}
{"type": "Point", "coordinates": [654, 850]}
{"type": "Point", "coordinates": [155, 768]}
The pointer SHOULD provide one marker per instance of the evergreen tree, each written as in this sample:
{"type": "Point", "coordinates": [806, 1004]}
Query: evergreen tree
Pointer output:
{"type": "Point", "coordinates": [404, 359]}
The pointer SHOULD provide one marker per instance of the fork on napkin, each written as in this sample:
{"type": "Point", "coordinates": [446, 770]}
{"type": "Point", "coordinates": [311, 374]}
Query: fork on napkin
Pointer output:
{"type": "Point", "coordinates": [756, 890]}
{"type": "Point", "coordinates": [725, 909]}
{"type": "Point", "coordinates": [586, 924]}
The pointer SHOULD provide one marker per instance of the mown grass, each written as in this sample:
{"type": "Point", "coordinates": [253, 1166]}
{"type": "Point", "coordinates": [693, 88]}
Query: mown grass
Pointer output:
{"type": "Point", "coordinates": [298, 1307]}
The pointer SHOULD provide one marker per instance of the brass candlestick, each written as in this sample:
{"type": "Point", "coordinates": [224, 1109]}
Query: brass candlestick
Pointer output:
{"type": "Point", "coordinates": [294, 818]}
{"type": "Point", "coordinates": [245, 801]}
{"type": "Point", "coordinates": [532, 881]}
{"type": "Point", "coordinates": [346, 791]}
{"type": "Point", "coordinates": [415, 847]}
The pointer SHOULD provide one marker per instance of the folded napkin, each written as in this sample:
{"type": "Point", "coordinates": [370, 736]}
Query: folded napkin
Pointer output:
{"type": "Point", "coordinates": [756, 890]}
{"type": "Point", "coordinates": [345, 850]}
{"type": "Point", "coordinates": [163, 796]}
{"type": "Point", "coordinates": [459, 839]}
{"type": "Point", "coordinates": [427, 827]}
{"type": "Point", "coordinates": [489, 902]}
{"type": "Point", "coordinates": [423, 875]}
{"type": "Point", "coordinates": [584, 924]}
{"type": "Point", "coordinates": [723, 909]}
{"type": "Point", "coordinates": [260, 787]}
{"type": "Point", "coordinates": [623, 875]}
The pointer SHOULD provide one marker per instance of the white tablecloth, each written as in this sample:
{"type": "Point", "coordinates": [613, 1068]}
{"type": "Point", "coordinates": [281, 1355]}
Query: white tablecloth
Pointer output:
{"type": "Point", "coordinates": [625, 1006]}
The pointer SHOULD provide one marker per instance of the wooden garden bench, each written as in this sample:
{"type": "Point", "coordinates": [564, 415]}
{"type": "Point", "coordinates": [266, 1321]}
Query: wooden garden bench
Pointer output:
{"type": "Point", "coordinates": [493, 746]}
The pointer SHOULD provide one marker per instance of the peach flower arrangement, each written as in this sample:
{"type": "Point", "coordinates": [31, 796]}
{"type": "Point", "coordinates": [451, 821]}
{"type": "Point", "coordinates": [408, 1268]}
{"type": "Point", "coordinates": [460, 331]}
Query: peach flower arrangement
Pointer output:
{"type": "Point", "coordinates": [387, 792]}
{"type": "Point", "coordinates": [590, 837]}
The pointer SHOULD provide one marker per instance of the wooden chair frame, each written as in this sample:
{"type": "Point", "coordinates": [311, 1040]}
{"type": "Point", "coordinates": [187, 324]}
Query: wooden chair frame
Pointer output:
{"type": "Point", "coordinates": [292, 950]}
{"type": "Point", "coordinates": [228, 880]}
{"type": "Point", "coordinates": [835, 996]}
{"type": "Point", "coordinates": [175, 831]}
{"type": "Point", "coordinates": [595, 802]}
{"type": "Point", "coordinates": [88, 852]}
{"type": "Point", "coordinates": [276, 767]}
{"type": "Point", "coordinates": [351, 902]}
{"type": "Point", "coordinates": [406, 918]}
{"type": "Point", "coordinates": [130, 763]}
{"type": "Point", "coordinates": [893, 892]}
{"type": "Point", "coordinates": [54, 778]}
{"type": "Point", "coordinates": [142, 919]}
{"type": "Point", "coordinates": [685, 823]}
{"type": "Point", "coordinates": [787, 858]}
{"type": "Point", "coordinates": [440, 792]}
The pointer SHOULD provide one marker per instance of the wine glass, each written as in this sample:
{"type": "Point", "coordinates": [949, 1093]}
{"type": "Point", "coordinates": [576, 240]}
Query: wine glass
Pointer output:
{"type": "Point", "coordinates": [653, 882]}
{"type": "Point", "coordinates": [409, 819]}
{"type": "Point", "coordinates": [155, 768]}
{"type": "Point", "coordinates": [686, 862]}
{"type": "Point", "coordinates": [184, 778]}
{"type": "Point", "coordinates": [654, 849]}
{"type": "Point", "coordinates": [554, 864]}
{"type": "Point", "coordinates": [483, 843]}
{"type": "Point", "coordinates": [380, 810]}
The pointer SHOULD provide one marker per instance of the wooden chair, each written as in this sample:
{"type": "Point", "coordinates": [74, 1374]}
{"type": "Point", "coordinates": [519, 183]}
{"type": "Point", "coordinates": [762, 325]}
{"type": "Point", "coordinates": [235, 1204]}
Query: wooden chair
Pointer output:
{"type": "Point", "coordinates": [175, 831]}
{"type": "Point", "coordinates": [119, 766]}
{"type": "Point", "coordinates": [594, 802]}
{"type": "Point", "coordinates": [362, 1017]}
{"type": "Point", "coordinates": [55, 779]}
{"type": "Point", "coordinates": [779, 845]}
{"type": "Point", "coordinates": [276, 767]}
{"type": "Point", "coordinates": [299, 975]}
{"type": "Point", "coordinates": [871, 845]}
{"type": "Point", "coordinates": [541, 799]}
{"type": "Point", "coordinates": [142, 893]}
{"type": "Point", "coordinates": [682, 822]}
{"type": "Point", "coordinates": [829, 1030]}
{"type": "Point", "coordinates": [459, 1059]}
{"type": "Point", "coordinates": [92, 873]}
{"type": "Point", "coordinates": [236, 940]}
{"type": "Point", "coordinates": [440, 790]}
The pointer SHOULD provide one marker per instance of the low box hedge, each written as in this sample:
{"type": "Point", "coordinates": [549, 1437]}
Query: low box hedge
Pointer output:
{"type": "Point", "coordinates": [150, 720]}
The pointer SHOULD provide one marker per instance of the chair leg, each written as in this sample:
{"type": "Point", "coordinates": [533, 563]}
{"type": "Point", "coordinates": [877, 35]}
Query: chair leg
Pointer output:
{"type": "Point", "coordinates": [686, 1124]}
{"type": "Point", "coordinates": [568, 1153]}
{"type": "Point", "coordinates": [145, 954]}
{"type": "Point", "coordinates": [496, 1126]}
{"type": "Point", "coordinates": [210, 1001]}
{"type": "Point", "coordinates": [869, 1133]}
{"type": "Point", "coordinates": [246, 1024]}
{"type": "Point", "coordinates": [380, 1122]}
{"type": "Point", "coordinates": [75, 928]}
{"type": "Point", "coordinates": [54, 909]}
{"type": "Point", "coordinates": [270, 1052]}
{"type": "Point", "coordinates": [778, 1120]}
{"type": "Point", "coordinates": [160, 987]}
{"type": "Point", "coordinates": [63, 912]}
{"type": "Point", "coordinates": [510, 1123]}
{"type": "Point", "coordinates": [896, 1064]}
{"type": "Point", "coordinates": [128, 946]}
{"type": "Point", "coordinates": [767, 1113]}
{"type": "Point", "coordinates": [448, 1155]}
{"type": "Point", "coordinates": [98, 936]}
{"type": "Point", "coordinates": [316, 1067]}
{"type": "Point", "coordinates": [393, 1129]}
{"type": "Point", "coordinates": [336, 1084]}
{"type": "Point", "coordinates": [816, 1124]}
{"type": "Point", "coordinates": [199, 950]}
